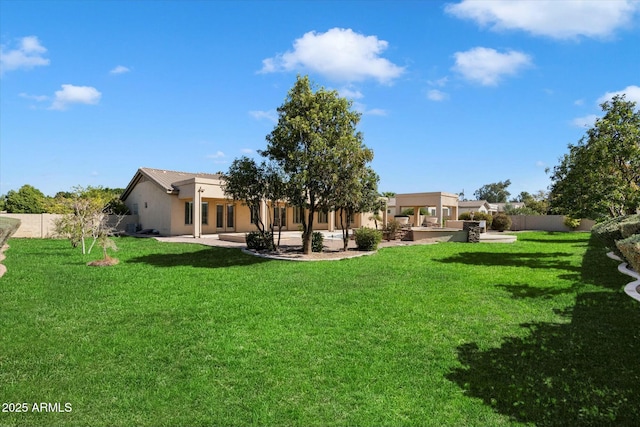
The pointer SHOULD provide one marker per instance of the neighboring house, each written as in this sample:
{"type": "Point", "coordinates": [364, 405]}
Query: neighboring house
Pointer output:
{"type": "Point", "coordinates": [514, 205]}
{"type": "Point", "coordinates": [391, 207]}
{"type": "Point", "coordinates": [477, 206]}
{"type": "Point", "coordinates": [179, 203]}
{"type": "Point", "coordinates": [439, 205]}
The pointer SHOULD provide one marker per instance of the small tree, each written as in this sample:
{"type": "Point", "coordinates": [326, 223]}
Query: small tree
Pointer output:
{"type": "Point", "coordinates": [88, 221]}
{"type": "Point", "coordinates": [359, 193]}
{"type": "Point", "coordinates": [256, 184]}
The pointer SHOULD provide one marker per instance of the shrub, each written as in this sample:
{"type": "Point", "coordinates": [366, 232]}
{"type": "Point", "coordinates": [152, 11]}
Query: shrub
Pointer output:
{"type": "Point", "coordinates": [628, 229]}
{"type": "Point", "coordinates": [367, 239]}
{"type": "Point", "coordinates": [477, 216]}
{"type": "Point", "coordinates": [258, 241]}
{"type": "Point", "coordinates": [317, 240]}
{"type": "Point", "coordinates": [572, 223]}
{"type": "Point", "coordinates": [501, 222]}
{"type": "Point", "coordinates": [630, 249]}
{"type": "Point", "coordinates": [391, 229]}
{"type": "Point", "coordinates": [8, 226]}
{"type": "Point", "coordinates": [610, 230]}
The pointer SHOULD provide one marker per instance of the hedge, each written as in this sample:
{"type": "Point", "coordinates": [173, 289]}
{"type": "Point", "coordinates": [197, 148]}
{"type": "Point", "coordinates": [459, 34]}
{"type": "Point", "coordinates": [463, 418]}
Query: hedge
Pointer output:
{"type": "Point", "coordinates": [630, 248]}
{"type": "Point", "coordinates": [608, 232]}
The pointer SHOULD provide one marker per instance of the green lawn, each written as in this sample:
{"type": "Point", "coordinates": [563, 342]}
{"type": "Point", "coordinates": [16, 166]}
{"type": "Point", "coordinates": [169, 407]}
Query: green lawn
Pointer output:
{"type": "Point", "coordinates": [533, 333]}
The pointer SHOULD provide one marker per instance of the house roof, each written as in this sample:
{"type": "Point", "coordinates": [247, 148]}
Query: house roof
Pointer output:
{"type": "Point", "coordinates": [473, 203]}
{"type": "Point", "coordinates": [164, 179]}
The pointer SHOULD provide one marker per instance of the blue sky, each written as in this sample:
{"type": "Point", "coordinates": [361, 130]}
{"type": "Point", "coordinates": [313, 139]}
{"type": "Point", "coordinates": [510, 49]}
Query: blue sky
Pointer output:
{"type": "Point", "coordinates": [453, 95]}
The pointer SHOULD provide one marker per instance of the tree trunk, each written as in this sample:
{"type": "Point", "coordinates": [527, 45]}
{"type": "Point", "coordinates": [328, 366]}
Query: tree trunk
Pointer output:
{"type": "Point", "coordinates": [307, 233]}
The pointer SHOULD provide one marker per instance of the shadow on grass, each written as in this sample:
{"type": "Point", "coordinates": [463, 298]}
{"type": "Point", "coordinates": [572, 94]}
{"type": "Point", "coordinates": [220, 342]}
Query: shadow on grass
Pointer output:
{"type": "Point", "coordinates": [209, 257]}
{"type": "Point", "coordinates": [532, 260]}
{"type": "Point", "coordinates": [581, 373]}
{"type": "Point", "coordinates": [523, 291]}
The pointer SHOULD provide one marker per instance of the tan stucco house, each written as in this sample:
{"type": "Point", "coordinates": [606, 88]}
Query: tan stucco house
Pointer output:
{"type": "Point", "coordinates": [182, 203]}
{"type": "Point", "coordinates": [477, 206]}
{"type": "Point", "coordinates": [439, 205]}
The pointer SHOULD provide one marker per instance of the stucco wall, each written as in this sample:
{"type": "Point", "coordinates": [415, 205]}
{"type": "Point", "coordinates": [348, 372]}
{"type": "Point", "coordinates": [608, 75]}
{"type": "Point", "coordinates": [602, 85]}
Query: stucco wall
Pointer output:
{"type": "Point", "coordinates": [537, 222]}
{"type": "Point", "coordinates": [154, 206]}
{"type": "Point", "coordinates": [546, 223]}
{"type": "Point", "coordinates": [42, 225]}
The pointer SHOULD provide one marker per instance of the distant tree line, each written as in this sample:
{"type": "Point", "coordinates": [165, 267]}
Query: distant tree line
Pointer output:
{"type": "Point", "coordinates": [28, 199]}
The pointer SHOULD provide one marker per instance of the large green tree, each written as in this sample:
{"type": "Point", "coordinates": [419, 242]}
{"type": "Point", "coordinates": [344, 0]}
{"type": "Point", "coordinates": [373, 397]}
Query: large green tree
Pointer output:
{"type": "Point", "coordinates": [537, 204]}
{"type": "Point", "coordinates": [600, 176]}
{"type": "Point", "coordinates": [315, 138]}
{"type": "Point", "coordinates": [495, 192]}
{"type": "Point", "coordinates": [27, 199]}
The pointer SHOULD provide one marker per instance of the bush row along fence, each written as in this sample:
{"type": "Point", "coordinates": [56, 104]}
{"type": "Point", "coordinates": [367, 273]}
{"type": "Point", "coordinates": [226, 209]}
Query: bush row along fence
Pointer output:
{"type": "Point", "coordinates": [42, 225]}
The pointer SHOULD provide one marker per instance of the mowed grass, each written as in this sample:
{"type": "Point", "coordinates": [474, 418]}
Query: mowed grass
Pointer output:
{"type": "Point", "coordinates": [533, 333]}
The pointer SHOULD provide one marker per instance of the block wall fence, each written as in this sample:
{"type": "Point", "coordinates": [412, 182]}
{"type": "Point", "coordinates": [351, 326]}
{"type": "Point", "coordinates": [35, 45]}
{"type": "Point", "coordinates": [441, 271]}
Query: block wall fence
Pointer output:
{"type": "Point", "coordinates": [42, 225]}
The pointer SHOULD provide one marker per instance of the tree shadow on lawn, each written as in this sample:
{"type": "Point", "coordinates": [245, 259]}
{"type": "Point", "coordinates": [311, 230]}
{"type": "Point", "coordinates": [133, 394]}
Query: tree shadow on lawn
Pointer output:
{"type": "Point", "coordinates": [523, 291]}
{"type": "Point", "coordinates": [208, 257]}
{"type": "Point", "coordinates": [581, 373]}
{"type": "Point", "coordinates": [551, 260]}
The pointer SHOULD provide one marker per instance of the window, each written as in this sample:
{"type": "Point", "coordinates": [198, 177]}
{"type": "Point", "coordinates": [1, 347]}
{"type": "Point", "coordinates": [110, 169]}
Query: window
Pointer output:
{"type": "Point", "coordinates": [323, 217]}
{"type": "Point", "coordinates": [219, 216]}
{"type": "Point", "coordinates": [205, 213]}
{"type": "Point", "coordinates": [135, 209]}
{"type": "Point", "coordinates": [297, 214]}
{"type": "Point", "coordinates": [279, 216]}
{"type": "Point", "coordinates": [230, 216]}
{"type": "Point", "coordinates": [188, 213]}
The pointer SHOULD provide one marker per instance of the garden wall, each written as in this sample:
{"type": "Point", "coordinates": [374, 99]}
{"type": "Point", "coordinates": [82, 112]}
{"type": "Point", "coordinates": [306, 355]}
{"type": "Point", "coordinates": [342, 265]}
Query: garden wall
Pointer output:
{"type": "Point", "coordinates": [42, 225]}
{"type": "Point", "coordinates": [546, 223]}
{"type": "Point", "coordinates": [537, 222]}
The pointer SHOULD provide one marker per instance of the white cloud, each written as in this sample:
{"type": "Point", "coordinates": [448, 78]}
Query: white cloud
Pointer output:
{"type": "Point", "coordinates": [376, 112]}
{"type": "Point", "coordinates": [437, 95]}
{"type": "Point", "coordinates": [441, 82]}
{"type": "Point", "coordinates": [585, 122]}
{"type": "Point", "coordinates": [217, 155]}
{"type": "Point", "coordinates": [248, 150]}
{"type": "Point", "coordinates": [38, 98]}
{"type": "Point", "coordinates": [487, 66]}
{"type": "Point", "coordinates": [350, 93]}
{"type": "Point", "coordinates": [270, 115]}
{"type": "Point", "coordinates": [71, 94]}
{"type": "Point", "coordinates": [362, 109]}
{"type": "Point", "coordinates": [632, 93]}
{"type": "Point", "coordinates": [120, 69]}
{"type": "Point", "coordinates": [578, 102]}
{"type": "Point", "coordinates": [550, 18]}
{"type": "Point", "coordinates": [540, 164]}
{"type": "Point", "coordinates": [340, 54]}
{"type": "Point", "coordinates": [26, 56]}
